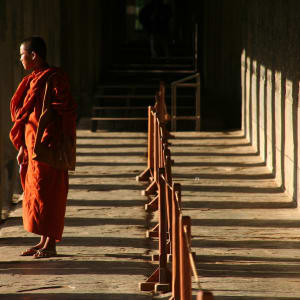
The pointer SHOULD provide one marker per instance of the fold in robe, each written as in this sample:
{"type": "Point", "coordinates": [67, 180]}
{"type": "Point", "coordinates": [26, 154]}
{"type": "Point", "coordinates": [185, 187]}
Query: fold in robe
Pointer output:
{"type": "Point", "coordinates": [45, 187]}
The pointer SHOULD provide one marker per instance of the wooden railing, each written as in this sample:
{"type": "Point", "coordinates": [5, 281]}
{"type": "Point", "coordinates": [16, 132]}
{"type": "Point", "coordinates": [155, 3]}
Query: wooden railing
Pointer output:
{"type": "Point", "coordinates": [185, 83]}
{"type": "Point", "coordinates": [173, 230]}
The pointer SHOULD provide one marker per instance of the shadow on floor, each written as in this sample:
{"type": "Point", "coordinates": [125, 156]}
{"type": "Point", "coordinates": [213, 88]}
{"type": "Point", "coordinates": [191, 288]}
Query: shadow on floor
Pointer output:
{"type": "Point", "coordinates": [236, 205]}
{"type": "Point", "coordinates": [245, 244]}
{"type": "Point", "coordinates": [72, 296]}
{"type": "Point", "coordinates": [57, 266]}
{"type": "Point", "coordinates": [105, 203]}
{"type": "Point", "coordinates": [84, 242]}
{"type": "Point", "coordinates": [232, 189]}
{"type": "Point", "coordinates": [247, 223]}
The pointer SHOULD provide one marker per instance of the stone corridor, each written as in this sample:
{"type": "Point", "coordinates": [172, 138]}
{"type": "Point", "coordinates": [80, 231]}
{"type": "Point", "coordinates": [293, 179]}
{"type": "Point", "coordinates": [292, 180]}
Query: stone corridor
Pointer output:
{"type": "Point", "coordinates": [246, 231]}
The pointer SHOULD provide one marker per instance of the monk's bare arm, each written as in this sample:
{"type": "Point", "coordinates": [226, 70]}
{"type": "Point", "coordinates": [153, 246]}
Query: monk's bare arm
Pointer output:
{"type": "Point", "coordinates": [20, 155]}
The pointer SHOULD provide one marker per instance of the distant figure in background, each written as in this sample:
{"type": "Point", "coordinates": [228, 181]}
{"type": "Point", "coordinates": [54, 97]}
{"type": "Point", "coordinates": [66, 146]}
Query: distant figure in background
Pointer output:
{"type": "Point", "coordinates": [44, 133]}
{"type": "Point", "coordinates": [155, 18]}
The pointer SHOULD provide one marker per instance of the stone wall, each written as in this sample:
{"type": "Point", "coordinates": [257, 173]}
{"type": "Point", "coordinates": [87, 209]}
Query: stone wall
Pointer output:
{"type": "Point", "coordinates": [270, 73]}
{"type": "Point", "coordinates": [221, 50]}
{"type": "Point", "coordinates": [82, 47]}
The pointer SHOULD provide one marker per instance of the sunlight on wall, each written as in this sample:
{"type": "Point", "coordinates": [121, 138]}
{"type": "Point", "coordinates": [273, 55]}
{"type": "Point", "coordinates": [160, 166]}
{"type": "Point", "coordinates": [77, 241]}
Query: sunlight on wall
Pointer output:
{"type": "Point", "coordinates": [270, 119]}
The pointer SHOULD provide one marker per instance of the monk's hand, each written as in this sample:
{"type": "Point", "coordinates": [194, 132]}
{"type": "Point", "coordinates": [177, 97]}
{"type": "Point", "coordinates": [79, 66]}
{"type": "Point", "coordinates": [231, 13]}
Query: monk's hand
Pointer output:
{"type": "Point", "coordinates": [20, 155]}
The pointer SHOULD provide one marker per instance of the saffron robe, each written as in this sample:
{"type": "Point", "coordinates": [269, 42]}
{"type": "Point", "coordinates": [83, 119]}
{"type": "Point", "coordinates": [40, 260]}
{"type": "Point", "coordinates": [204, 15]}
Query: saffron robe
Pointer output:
{"type": "Point", "coordinates": [45, 187]}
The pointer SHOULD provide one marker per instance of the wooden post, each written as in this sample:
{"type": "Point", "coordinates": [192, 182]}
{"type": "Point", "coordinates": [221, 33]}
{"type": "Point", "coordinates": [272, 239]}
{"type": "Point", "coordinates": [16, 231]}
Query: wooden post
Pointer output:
{"type": "Point", "coordinates": [160, 105]}
{"type": "Point", "coordinates": [150, 137]}
{"type": "Point", "coordinates": [162, 228]}
{"type": "Point", "coordinates": [161, 147]}
{"type": "Point", "coordinates": [159, 281]}
{"type": "Point", "coordinates": [163, 115]}
{"type": "Point", "coordinates": [145, 175]}
{"type": "Point", "coordinates": [156, 148]}
{"type": "Point", "coordinates": [167, 166]}
{"type": "Point", "coordinates": [185, 267]}
{"type": "Point", "coordinates": [152, 188]}
{"type": "Point", "coordinates": [175, 243]}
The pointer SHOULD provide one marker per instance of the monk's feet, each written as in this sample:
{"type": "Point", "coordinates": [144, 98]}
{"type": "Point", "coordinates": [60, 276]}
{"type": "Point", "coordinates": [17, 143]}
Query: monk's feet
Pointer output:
{"type": "Point", "coordinates": [33, 250]}
{"type": "Point", "coordinates": [45, 253]}
{"type": "Point", "coordinates": [30, 252]}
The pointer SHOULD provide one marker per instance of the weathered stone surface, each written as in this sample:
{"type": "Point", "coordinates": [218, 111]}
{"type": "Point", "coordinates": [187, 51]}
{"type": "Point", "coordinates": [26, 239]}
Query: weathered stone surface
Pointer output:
{"type": "Point", "coordinates": [270, 40]}
{"type": "Point", "coordinates": [245, 228]}
{"type": "Point", "coordinates": [103, 254]}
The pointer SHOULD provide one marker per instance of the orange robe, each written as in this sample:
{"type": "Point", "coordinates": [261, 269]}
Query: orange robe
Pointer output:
{"type": "Point", "coordinates": [45, 187]}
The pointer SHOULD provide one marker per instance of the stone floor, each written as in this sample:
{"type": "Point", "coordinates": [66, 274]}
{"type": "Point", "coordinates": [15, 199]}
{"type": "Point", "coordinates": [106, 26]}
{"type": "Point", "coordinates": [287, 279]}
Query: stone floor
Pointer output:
{"type": "Point", "coordinates": [104, 252]}
{"type": "Point", "coordinates": [246, 233]}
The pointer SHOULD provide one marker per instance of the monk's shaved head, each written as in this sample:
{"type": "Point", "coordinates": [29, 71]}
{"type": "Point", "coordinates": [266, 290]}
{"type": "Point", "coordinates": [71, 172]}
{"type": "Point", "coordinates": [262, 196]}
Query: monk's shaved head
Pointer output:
{"type": "Point", "coordinates": [36, 44]}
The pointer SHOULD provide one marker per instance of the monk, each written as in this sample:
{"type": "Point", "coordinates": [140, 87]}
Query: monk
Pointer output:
{"type": "Point", "coordinates": [44, 134]}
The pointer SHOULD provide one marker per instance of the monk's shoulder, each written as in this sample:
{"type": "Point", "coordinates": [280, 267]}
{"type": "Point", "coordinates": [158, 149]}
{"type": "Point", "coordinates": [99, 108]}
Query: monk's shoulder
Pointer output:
{"type": "Point", "coordinates": [57, 73]}
{"type": "Point", "coordinates": [59, 78]}
{"type": "Point", "coordinates": [27, 76]}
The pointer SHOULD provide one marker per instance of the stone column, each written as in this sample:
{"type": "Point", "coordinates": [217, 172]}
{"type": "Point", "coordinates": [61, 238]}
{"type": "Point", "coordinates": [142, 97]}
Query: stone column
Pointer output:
{"type": "Point", "coordinates": [17, 21]}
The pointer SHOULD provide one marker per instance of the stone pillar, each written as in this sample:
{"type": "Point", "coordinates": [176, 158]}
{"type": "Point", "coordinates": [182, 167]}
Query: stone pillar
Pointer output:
{"type": "Point", "coordinates": [243, 87]}
{"type": "Point", "coordinates": [248, 90]}
{"type": "Point", "coordinates": [1, 152]}
{"type": "Point", "coordinates": [289, 137]}
{"type": "Point", "coordinates": [262, 114]}
{"type": "Point", "coordinates": [254, 107]}
{"type": "Point", "coordinates": [270, 123]}
{"type": "Point", "coordinates": [279, 88]}
{"type": "Point", "coordinates": [297, 146]}
{"type": "Point", "coordinates": [222, 49]}
{"type": "Point", "coordinates": [271, 99]}
{"type": "Point", "coordinates": [20, 19]}
{"type": "Point", "coordinates": [82, 47]}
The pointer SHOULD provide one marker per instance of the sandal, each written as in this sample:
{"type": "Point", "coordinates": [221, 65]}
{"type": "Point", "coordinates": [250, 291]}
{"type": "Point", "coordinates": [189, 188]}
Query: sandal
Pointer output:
{"type": "Point", "coordinates": [29, 252]}
{"type": "Point", "coordinates": [45, 253]}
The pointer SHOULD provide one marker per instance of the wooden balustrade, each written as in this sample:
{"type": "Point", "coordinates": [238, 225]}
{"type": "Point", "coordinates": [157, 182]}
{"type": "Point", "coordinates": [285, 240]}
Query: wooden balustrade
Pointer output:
{"type": "Point", "coordinates": [162, 115]}
{"type": "Point", "coordinates": [173, 229]}
{"type": "Point", "coordinates": [148, 173]}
